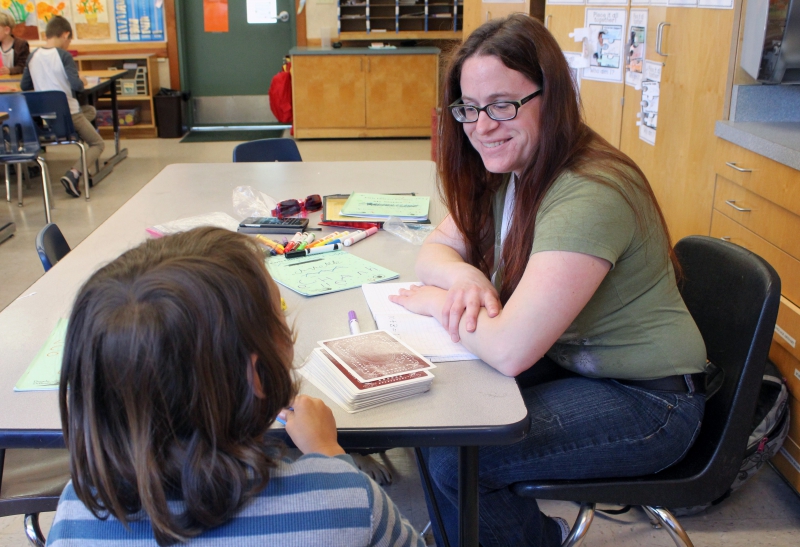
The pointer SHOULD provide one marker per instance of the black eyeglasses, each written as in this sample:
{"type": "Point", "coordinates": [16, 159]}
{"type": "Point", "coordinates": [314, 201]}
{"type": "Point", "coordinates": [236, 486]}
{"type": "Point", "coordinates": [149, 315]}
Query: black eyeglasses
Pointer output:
{"type": "Point", "coordinates": [500, 111]}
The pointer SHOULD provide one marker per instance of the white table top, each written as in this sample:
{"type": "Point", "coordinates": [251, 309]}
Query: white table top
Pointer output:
{"type": "Point", "coordinates": [470, 396]}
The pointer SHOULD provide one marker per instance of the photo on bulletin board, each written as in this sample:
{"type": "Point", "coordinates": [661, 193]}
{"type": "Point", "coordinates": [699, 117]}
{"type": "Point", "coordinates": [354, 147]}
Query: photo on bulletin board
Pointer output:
{"type": "Point", "coordinates": [635, 48]}
{"type": "Point", "coordinates": [47, 9]}
{"type": "Point", "coordinates": [604, 44]}
{"type": "Point", "coordinates": [24, 14]}
{"type": "Point", "coordinates": [91, 19]}
{"type": "Point", "coordinates": [139, 20]}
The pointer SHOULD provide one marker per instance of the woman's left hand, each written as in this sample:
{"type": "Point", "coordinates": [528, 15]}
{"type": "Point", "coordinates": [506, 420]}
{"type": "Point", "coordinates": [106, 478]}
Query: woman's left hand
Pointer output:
{"type": "Point", "coordinates": [5, 70]}
{"type": "Point", "coordinates": [424, 300]}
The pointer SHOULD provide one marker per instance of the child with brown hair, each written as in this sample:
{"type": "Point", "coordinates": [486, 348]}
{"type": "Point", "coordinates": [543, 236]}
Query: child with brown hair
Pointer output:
{"type": "Point", "coordinates": [177, 361]}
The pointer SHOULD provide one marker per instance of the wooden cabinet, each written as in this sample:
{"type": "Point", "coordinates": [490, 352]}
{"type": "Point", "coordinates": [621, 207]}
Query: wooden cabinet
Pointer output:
{"type": "Point", "coordinates": [696, 82]}
{"type": "Point", "coordinates": [143, 100]}
{"type": "Point", "coordinates": [477, 13]}
{"type": "Point", "coordinates": [364, 95]}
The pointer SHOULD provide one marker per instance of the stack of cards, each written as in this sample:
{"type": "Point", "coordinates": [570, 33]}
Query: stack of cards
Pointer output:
{"type": "Point", "coordinates": [367, 370]}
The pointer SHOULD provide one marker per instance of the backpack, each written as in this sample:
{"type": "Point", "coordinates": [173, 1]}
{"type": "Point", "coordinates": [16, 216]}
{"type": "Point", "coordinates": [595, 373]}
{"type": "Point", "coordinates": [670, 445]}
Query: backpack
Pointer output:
{"type": "Point", "coordinates": [770, 427]}
{"type": "Point", "coordinates": [280, 94]}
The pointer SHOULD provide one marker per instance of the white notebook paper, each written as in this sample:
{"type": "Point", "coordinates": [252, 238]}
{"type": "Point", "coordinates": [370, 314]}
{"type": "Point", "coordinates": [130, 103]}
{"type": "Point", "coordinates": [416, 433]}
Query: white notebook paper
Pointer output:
{"type": "Point", "coordinates": [421, 332]}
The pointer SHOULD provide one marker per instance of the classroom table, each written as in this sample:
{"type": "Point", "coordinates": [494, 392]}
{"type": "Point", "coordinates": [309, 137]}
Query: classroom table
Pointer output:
{"type": "Point", "coordinates": [89, 95]}
{"type": "Point", "coordinates": [469, 403]}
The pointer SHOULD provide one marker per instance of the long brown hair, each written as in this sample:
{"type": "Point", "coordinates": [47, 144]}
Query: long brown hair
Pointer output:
{"type": "Point", "coordinates": [565, 143]}
{"type": "Point", "coordinates": [155, 399]}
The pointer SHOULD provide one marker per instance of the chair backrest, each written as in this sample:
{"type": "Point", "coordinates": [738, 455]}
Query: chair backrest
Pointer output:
{"type": "Point", "coordinates": [267, 150]}
{"type": "Point", "coordinates": [50, 111]}
{"type": "Point", "coordinates": [51, 246]}
{"type": "Point", "coordinates": [18, 130]}
{"type": "Point", "coordinates": [733, 296]}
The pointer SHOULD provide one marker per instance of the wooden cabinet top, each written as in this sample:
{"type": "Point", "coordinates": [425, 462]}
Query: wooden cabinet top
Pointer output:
{"type": "Point", "coordinates": [365, 51]}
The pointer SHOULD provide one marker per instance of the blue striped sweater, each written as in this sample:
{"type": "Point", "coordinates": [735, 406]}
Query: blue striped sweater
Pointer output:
{"type": "Point", "coordinates": [315, 500]}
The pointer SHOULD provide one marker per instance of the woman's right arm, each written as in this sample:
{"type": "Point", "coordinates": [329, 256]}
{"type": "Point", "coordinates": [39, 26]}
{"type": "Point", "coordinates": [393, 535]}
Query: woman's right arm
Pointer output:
{"type": "Point", "coordinates": [442, 263]}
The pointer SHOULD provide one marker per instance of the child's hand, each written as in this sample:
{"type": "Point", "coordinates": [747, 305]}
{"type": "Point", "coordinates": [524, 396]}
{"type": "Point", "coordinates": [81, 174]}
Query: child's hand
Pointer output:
{"type": "Point", "coordinates": [312, 427]}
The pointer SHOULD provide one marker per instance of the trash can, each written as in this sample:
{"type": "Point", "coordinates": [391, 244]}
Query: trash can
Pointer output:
{"type": "Point", "coordinates": [169, 113]}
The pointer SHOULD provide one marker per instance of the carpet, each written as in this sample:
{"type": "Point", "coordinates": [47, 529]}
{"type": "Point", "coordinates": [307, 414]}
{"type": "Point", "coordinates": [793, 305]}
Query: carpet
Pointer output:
{"type": "Point", "coordinates": [232, 135]}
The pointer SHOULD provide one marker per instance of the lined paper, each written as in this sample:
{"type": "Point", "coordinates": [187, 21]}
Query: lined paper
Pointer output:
{"type": "Point", "coordinates": [421, 332]}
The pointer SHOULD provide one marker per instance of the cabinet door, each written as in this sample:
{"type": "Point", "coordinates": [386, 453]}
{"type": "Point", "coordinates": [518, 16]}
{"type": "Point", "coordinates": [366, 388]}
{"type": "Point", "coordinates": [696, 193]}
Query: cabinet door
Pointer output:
{"type": "Point", "coordinates": [328, 91]}
{"type": "Point", "coordinates": [694, 83]}
{"type": "Point", "coordinates": [602, 101]}
{"type": "Point", "coordinates": [477, 13]}
{"type": "Point", "coordinates": [401, 90]}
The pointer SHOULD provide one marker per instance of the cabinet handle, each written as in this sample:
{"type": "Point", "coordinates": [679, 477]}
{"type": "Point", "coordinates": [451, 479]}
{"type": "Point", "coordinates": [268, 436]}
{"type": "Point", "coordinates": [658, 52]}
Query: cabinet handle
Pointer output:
{"type": "Point", "coordinates": [660, 37]}
{"type": "Point", "coordinates": [732, 165]}
{"type": "Point", "coordinates": [731, 203]}
{"type": "Point", "coordinates": [547, 22]}
{"type": "Point", "coordinates": [725, 238]}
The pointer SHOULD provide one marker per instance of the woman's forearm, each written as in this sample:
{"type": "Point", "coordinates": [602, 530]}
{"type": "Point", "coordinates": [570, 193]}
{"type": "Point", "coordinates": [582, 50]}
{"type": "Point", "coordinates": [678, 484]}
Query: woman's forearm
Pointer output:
{"type": "Point", "coordinates": [440, 265]}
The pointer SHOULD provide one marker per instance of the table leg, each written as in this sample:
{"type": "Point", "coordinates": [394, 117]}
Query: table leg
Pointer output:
{"type": "Point", "coordinates": [119, 155]}
{"type": "Point", "coordinates": [468, 496]}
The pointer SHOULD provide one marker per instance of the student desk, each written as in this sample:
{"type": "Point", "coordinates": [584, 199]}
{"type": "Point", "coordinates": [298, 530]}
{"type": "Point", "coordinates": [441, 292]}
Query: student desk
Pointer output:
{"type": "Point", "coordinates": [469, 403]}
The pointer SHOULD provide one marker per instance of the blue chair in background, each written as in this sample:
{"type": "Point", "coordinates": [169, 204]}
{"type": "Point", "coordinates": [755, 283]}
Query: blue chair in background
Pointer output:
{"type": "Point", "coordinates": [267, 150]}
{"type": "Point", "coordinates": [53, 120]}
{"type": "Point", "coordinates": [21, 145]}
{"type": "Point", "coordinates": [51, 245]}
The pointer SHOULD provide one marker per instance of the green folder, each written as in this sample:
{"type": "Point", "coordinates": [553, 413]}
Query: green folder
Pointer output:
{"type": "Point", "coordinates": [44, 373]}
{"type": "Point", "coordinates": [325, 273]}
{"type": "Point", "coordinates": [383, 206]}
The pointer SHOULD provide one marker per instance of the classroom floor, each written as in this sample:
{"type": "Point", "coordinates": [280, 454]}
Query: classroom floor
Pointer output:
{"type": "Point", "coordinates": [765, 512]}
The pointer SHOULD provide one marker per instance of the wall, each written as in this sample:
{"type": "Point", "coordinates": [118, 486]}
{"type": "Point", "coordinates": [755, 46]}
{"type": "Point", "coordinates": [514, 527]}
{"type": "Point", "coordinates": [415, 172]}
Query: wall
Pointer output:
{"type": "Point", "coordinates": [320, 14]}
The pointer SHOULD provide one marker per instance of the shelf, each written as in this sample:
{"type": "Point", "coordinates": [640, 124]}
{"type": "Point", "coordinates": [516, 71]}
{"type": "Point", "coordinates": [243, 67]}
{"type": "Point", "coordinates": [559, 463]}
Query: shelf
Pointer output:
{"type": "Point", "coordinates": [123, 127]}
{"type": "Point", "coordinates": [403, 35]}
{"type": "Point", "coordinates": [127, 98]}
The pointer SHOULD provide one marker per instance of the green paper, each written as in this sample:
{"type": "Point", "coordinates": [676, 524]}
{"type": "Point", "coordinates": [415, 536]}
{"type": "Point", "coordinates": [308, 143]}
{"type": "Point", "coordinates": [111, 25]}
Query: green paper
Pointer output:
{"type": "Point", "coordinates": [44, 373]}
{"type": "Point", "coordinates": [324, 273]}
{"type": "Point", "coordinates": [387, 205]}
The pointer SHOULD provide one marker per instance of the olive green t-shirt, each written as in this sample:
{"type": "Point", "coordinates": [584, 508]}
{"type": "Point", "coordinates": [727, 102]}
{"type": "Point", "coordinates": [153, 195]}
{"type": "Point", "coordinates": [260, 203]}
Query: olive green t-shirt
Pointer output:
{"type": "Point", "coordinates": [636, 325]}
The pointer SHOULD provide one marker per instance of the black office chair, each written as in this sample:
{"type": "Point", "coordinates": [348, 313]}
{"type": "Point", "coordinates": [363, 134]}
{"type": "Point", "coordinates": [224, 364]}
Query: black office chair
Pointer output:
{"type": "Point", "coordinates": [267, 150]}
{"type": "Point", "coordinates": [733, 296]}
{"type": "Point", "coordinates": [51, 246]}
{"type": "Point", "coordinates": [50, 112]}
{"type": "Point", "coordinates": [31, 481]}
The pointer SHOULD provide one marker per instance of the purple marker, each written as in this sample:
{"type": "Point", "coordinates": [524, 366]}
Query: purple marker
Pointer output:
{"type": "Point", "coordinates": [354, 328]}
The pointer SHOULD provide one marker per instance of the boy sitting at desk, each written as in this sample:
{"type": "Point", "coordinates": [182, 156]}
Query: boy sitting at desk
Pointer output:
{"type": "Point", "coordinates": [51, 68]}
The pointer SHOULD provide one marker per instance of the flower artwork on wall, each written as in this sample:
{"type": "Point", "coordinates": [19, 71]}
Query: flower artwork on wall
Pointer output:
{"type": "Point", "coordinates": [91, 19]}
{"type": "Point", "coordinates": [47, 9]}
{"type": "Point", "coordinates": [23, 12]}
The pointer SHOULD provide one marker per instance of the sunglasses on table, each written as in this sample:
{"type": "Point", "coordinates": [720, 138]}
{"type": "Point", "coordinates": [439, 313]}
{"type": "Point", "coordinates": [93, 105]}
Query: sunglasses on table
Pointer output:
{"type": "Point", "coordinates": [289, 207]}
{"type": "Point", "coordinates": [500, 111]}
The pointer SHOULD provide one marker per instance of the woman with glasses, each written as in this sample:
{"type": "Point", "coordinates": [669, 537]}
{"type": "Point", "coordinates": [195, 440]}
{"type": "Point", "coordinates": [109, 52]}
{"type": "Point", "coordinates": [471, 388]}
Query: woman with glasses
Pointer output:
{"type": "Point", "coordinates": [554, 266]}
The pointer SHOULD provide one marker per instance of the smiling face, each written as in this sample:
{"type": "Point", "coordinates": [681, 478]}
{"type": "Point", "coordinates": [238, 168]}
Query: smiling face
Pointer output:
{"type": "Point", "coordinates": [508, 146]}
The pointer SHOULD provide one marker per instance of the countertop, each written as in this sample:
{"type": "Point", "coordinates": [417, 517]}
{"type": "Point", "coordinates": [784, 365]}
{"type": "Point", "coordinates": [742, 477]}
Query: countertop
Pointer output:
{"type": "Point", "coordinates": [364, 51]}
{"type": "Point", "coordinates": [779, 141]}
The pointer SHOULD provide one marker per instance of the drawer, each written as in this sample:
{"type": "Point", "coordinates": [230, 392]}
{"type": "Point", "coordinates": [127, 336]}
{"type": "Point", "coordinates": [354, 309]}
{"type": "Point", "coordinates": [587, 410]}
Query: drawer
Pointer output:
{"type": "Point", "coordinates": [775, 224]}
{"type": "Point", "coordinates": [767, 178]}
{"type": "Point", "coordinates": [787, 364]}
{"type": "Point", "coordinates": [786, 266]}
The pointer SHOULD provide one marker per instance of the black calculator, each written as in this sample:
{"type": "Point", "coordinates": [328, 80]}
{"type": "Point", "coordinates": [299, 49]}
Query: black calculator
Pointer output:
{"type": "Point", "coordinates": [272, 225]}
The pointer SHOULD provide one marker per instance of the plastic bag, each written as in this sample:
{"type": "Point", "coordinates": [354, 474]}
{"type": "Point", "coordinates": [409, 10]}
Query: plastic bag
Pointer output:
{"type": "Point", "coordinates": [413, 233]}
{"type": "Point", "coordinates": [249, 202]}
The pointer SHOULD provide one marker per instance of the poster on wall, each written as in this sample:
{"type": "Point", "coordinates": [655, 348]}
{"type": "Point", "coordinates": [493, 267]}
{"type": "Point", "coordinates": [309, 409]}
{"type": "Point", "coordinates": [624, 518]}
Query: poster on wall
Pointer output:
{"type": "Point", "coordinates": [718, 4]}
{"type": "Point", "coordinates": [635, 48]}
{"type": "Point", "coordinates": [91, 19]}
{"type": "Point", "coordinates": [576, 63]}
{"type": "Point", "coordinates": [24, 14]}
{"type": "Point", "coordinates": [139, 20]}
{"type": "Point", "coordinates": [47, 9]}
{"type": "Point", "coordinates": [608, 2]}
{"type": "Point", "coordinates": [604, 44]}
{"type": "Point", "coordinates": [551, 2]}
{"type": "Point", "coordinates": [651, 90]}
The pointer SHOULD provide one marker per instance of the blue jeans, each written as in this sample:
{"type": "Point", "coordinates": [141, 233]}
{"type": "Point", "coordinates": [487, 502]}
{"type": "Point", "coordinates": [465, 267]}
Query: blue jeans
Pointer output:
{"type": "Point", "coordinates": [581, 428]}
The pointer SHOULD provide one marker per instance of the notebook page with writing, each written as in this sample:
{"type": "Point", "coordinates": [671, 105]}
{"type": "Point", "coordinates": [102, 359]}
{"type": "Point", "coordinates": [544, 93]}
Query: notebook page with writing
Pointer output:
{"type": "Point", "coordinates": [421, 332]}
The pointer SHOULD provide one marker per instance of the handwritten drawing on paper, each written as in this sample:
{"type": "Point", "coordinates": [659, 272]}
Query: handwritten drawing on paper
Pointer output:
{"type": "Point", "coordinates": [604, 44]}
{"type": "Point", "coordinates": [634, 57]}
